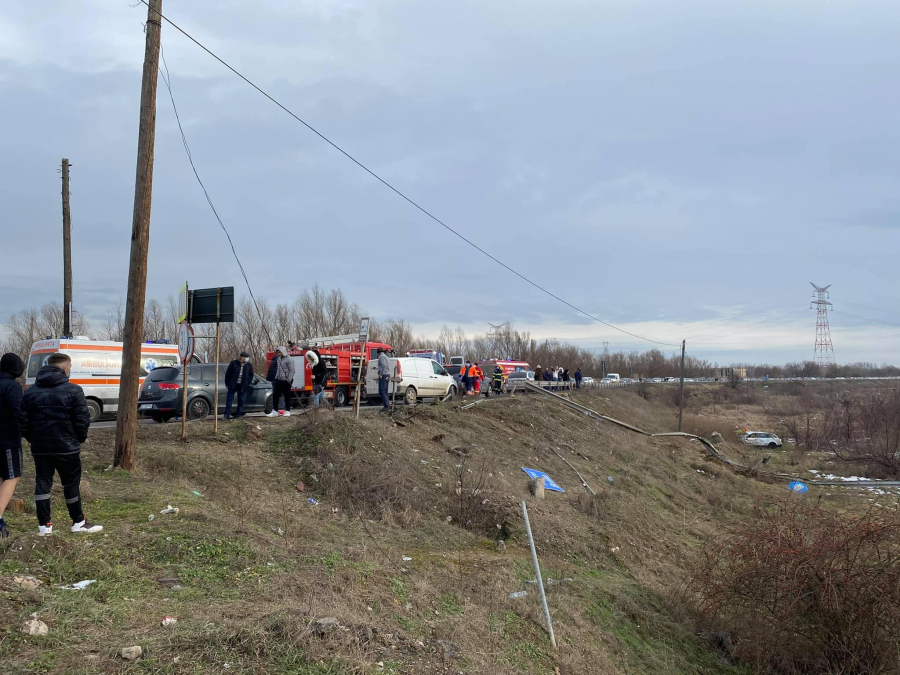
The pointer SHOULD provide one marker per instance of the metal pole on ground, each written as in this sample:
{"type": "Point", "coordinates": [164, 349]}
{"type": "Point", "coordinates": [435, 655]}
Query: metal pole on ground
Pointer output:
{"type": "Point", "coordinates": [537, 576]}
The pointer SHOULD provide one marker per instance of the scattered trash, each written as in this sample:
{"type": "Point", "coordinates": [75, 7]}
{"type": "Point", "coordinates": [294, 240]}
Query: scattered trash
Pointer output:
{"type": "Point", "coordinates": [176, 587]}
{"type": "Point", "coordinates": [35, 627]}
{"type": "Point", "coordinates": [131, 653]}
{"type": "Point", "coordinates": [151, 517]}
{"type": "Point", "coordinates": [80, 586]}
{"type": "Point", "coordinates": [609, 478]}
{"type": "Point", "coordinates": [518, 594]}
{"type": "Point", "coordinates": [406, 558]}
{"type": "Point", "coordinates": [300, 486]}
{"type": "Point", "coordinates": [278, 531]}
{"type": "Point", "coordinates": [615, 549]}
{"type": "Point", "coordinates": [169, 509]}
{"type": "Point", "coordinates": [169, 621]}
{"type": "Point", "coordinates": [449, 519]}
{"type": "Point", "coordinates": [327, 625]}
{"type": "Point", "coordinates": [314, 477]}
{"type": "Point", "coordinates": [438, 485]}
{"type": "Point", "coordinates": [226, 665]}
{"type": "Point", "coordinates": [27, 583]}
{"type": "Point", "coordinates": [313, 501]}
{"type": "Point", "coordinates": [197, 493]}
{"type": "Point", "coordinates": [797, 486]}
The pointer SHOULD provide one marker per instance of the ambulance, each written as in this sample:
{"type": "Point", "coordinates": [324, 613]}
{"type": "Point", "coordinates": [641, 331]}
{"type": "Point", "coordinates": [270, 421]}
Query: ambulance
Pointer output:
{"type": "Point", "coordinates": [97, 367]}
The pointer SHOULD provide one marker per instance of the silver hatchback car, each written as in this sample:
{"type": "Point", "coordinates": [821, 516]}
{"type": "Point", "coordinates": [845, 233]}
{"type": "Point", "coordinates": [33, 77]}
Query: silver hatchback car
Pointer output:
{"type": "Point", "coordinates": [762, 439]}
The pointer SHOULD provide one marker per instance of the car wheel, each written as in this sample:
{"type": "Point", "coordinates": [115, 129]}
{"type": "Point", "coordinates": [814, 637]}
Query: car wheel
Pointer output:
{"type": "Point", "coordinates": [410, 396]}
{"type": "Point", "coordinates": [341, 397]}
{"type": "Point", "coordinates": [773, 445]}
{"type": "Point", "coordinates": [198, 409]}
{"type": "Point", "coordinates": [270, 406]}
{"type": "Point", "coordinates": [94, 410]}
{"type": "Point", "coordinates": [451, 394]}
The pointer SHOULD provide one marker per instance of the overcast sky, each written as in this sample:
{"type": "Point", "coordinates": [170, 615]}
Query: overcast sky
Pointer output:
{"type": "Point", "coordinates": [682, 170]}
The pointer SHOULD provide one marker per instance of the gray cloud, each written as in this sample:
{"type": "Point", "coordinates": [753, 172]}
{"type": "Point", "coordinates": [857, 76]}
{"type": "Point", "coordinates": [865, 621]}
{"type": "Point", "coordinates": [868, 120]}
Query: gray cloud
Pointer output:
{"type": "Point", "coordinates": [642, 162]}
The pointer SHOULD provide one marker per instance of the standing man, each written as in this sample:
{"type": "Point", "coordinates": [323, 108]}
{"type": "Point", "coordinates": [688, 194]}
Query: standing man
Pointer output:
{"type": "Point", "coordinates": [578, 377]}
{"type": "Point", "coordinates": [498, 379]}
{"type": "Point", "coordinates": [283, 381]}
{"type": "Point", "coordinates": [465, 379]}
{"type": "Point", "coordinates": [320, 379]}
{"type": "Point", "coordinates": [238, 378]}
{"type": "Point", "coordinates": [11, 368]}
{"type": "Point", "coordinates": [55, 420]}
{"type": "Point", "coordinates": [384, 378]}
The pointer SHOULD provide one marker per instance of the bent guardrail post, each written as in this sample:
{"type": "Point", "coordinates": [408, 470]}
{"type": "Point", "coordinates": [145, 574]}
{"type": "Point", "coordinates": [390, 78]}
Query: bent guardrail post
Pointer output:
{"type": "Point", "coordinates": [537, 576]}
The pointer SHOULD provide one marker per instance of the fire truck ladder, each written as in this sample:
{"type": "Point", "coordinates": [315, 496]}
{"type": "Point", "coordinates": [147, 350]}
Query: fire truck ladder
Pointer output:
{"type": "Point", "coordinates": [329, 341]}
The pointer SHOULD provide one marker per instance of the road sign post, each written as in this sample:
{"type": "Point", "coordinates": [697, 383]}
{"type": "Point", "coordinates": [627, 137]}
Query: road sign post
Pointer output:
{"type": "Point", "coordinates": [363, 340]}
{"type": "Point", "coordinates": [185, 353]}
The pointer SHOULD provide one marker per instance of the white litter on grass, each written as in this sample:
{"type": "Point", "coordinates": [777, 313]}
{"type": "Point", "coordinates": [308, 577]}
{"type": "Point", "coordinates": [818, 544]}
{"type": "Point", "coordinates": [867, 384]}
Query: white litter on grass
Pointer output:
{"type": "Point", "coordinates": [406, 558]}
{"type": "Point", "coordinates": [80, 586]}
{"type": "Point", "coordinates": [169, 509]}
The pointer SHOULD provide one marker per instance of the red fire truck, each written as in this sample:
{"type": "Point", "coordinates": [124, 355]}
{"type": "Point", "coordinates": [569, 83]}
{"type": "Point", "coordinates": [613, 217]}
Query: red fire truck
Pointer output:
{"type": "Point", "coordinates": [341, 354]}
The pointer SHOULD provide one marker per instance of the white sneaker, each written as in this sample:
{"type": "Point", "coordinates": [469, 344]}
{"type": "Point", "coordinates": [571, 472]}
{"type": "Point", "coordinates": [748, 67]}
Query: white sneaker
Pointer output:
{"type": "Point", "coordinates": [274, 413]}
{"type": "Point", "coordinates": [45, 530]}
{"type": "Point", "coordinates": [287, 413]}
{"type": "Point", "coordinates": [85, 526]}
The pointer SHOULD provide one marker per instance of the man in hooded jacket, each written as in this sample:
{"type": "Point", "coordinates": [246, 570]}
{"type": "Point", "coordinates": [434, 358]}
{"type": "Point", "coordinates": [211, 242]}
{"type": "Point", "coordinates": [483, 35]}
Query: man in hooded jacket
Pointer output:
{"type": "Point", "coordinates": [283, 381]}
{"type": "Point", "coordinates": [55, 420]}
{"type": "Point", "coordinates": [11, 368]}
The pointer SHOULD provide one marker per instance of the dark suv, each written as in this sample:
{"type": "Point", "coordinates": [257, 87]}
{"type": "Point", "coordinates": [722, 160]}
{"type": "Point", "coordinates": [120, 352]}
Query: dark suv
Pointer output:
{"type": "Point", "coordinates": [160, 396]}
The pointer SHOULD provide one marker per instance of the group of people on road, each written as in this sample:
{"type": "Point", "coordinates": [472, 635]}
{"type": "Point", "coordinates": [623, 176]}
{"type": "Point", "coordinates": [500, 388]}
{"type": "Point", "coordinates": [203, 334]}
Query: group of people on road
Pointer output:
{"type": "Point", "coordinates": [471, 380]}
{"type": "Point", "coordinates": [559, 375]}
{"type": "Point", "coordinates": [53, 416]}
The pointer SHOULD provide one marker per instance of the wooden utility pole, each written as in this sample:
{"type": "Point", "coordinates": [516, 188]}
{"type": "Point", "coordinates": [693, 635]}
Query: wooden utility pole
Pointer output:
{"type": "Point", "coordinates": [681, 387]}
{"type": "Point", "coordinates": [67, 252]}
{"type": "Point", "coordinates": [126, 424]}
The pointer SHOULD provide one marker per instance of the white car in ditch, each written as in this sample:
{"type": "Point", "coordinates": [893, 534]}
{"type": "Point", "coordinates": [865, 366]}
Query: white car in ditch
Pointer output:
{"type": "Point", "coordinates": [762, 439]}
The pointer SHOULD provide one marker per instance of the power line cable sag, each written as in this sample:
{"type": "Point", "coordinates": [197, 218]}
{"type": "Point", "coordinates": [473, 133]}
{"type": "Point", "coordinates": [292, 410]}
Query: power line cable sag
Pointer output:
{"type": "Point", "coordinates": [167, 79]}
{"type": "Point", "coordinates": [398, 192]}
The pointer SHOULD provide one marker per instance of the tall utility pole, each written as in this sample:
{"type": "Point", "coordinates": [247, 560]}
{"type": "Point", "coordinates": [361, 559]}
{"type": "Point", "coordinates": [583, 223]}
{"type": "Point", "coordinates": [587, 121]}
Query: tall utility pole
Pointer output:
{"type": "Point", "coordinates": [681, 387]}
{"type": "Point", "coordinates": [824, 354]}
{"type": "Point", "coordinates": [67, 252]}
{"type": "Point", "coordinates": [126, 424]}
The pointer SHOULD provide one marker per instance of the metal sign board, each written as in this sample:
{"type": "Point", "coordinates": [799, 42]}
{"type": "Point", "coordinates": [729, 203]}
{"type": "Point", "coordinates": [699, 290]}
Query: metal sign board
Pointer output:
{"type": "Point", "coordinates": [364, 329]}
{"type": "Point", "coordinates": [182, 303]}
{"type": "Point", "coordinates": [549, 483]}
{"type": "Point", "coordinates": [185, 342]}
{"type": "Point", "coordinates": [208, 306]}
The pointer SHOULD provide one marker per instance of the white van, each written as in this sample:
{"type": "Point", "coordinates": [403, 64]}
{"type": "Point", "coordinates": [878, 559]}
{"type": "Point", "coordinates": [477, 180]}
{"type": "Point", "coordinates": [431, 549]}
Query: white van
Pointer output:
{"type": "Point", "coordinates": [612, 377]}
{"type": "Point", "coordinates": [415, 378]}
{"type": "Point", "coordinates": [97, 367]}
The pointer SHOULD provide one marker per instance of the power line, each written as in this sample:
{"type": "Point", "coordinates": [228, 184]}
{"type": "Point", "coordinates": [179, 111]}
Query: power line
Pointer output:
{"type": "Point", "coordinates": [168, 80]}
{"type": "Point", "coordinates": [398, 192]}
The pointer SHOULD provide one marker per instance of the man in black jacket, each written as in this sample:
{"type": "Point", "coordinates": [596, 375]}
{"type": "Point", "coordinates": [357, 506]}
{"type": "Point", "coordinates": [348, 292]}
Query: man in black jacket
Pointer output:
{"type": "Point", "coordinates": [11, 368]}
{"type": "Point", "coordinates": [55, 420]}
{"type": "Point", "coordinates": [238, 378]}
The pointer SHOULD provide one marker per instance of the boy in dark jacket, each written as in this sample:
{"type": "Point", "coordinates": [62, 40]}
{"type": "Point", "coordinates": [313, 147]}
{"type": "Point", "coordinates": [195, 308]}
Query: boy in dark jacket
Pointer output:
{"type": "Point", "coordinates": [55, 420]}
{"type": "Point", "coordinates": [11, 368]}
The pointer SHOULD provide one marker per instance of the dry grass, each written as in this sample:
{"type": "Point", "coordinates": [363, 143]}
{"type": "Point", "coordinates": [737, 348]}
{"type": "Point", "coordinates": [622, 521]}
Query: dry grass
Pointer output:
{"type": "Point", "coordinates": [259, 562]}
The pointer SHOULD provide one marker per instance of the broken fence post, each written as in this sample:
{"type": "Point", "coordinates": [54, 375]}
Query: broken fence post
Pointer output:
{"type": "Point", "coordinates": [537, 575]}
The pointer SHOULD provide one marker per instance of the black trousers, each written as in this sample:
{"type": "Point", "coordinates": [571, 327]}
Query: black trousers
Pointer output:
{"type": "Point", "coordinates": [281, 388]}
{"type": "Point", "coordinates": [69, 469]}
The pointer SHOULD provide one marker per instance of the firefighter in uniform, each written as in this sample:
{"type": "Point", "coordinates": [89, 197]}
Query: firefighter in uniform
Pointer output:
{"type": "Point", "coordinates": [498, 380]}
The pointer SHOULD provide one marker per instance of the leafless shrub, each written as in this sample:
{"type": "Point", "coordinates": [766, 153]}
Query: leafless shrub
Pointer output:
{"type": "Point", "coordinates": [801, 589]}
{"type": "Point", "coordinates": [866, 430]}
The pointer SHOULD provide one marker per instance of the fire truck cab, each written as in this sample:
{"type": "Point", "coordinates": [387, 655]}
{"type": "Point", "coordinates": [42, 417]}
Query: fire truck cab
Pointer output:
{"type": "Point", "coordinates": [342, 357]}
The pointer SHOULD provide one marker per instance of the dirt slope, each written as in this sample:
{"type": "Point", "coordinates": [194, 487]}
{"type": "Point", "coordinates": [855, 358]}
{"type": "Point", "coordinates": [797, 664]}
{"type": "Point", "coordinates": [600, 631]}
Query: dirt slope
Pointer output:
{"type": "Point", "coordinates": [402, 547]}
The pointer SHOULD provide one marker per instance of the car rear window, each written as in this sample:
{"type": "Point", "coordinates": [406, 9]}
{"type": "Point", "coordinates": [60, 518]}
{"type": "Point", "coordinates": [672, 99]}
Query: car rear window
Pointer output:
{"type": "Point", "coordinates": [164, 374]}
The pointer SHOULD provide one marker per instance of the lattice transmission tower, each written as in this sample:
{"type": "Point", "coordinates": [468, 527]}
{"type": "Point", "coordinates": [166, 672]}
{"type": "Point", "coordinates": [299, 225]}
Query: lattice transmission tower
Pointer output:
{"type": "Point", "coordinates": [824, 355]}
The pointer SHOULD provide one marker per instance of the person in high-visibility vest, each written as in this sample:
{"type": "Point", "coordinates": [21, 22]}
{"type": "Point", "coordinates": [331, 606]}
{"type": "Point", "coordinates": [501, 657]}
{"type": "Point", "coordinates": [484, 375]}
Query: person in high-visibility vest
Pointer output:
{"type": "Point", "coordinates": [466, 377]}
{"type": "Point", "coordinates": [498, 380]}
{"type": "Point", "coordinates": [477, 379]}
